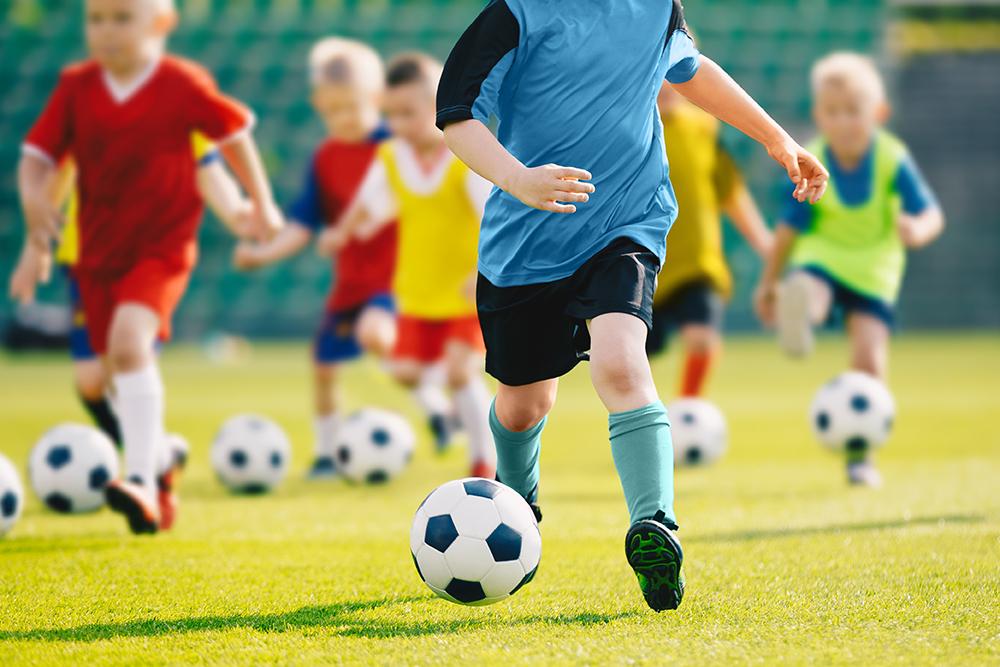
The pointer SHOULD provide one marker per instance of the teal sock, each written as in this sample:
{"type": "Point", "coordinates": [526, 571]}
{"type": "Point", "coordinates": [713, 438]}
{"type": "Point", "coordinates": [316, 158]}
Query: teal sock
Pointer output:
{"type": "Point", "coordinates": [517, 454]}
{"type": "Point", "coordinates": [644, 457]}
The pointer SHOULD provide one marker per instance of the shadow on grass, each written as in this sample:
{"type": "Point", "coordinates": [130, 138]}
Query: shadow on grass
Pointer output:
{"type": "Point", "coordinates": [340, 618]}
{"type": "Point", "coordinates": [774, 533]}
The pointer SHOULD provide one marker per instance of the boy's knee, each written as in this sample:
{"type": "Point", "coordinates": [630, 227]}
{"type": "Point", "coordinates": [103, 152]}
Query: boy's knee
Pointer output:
{"type": "Point", "coordinates": [699, 339]}
{"type": "Point", "coordinates": [126, 354]}
{"type": "Point", "coordinates": [521, 413]}
{"type": "Point", "coordinates": [620, 375]}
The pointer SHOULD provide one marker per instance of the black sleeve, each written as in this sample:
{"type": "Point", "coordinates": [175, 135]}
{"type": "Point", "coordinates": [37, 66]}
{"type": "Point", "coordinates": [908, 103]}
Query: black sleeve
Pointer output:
{"type": "Point", "coordinates": [677, 21]}
{"type": "Point", "coordinates": [493, 34]}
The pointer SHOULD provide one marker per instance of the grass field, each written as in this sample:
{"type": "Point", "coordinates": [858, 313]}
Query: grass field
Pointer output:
{"type": "Point", "coordinates": [784, 562]}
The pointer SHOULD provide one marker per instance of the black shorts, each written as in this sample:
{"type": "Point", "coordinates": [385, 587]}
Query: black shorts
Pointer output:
{"type": "Point", "coordinates": [847, 300]}
{"type": "Point", "coordinates": [538, 332]}
{"type": "Point", "coordinates": [697, 302]}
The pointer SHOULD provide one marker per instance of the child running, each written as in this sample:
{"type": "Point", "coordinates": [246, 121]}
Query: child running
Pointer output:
{"type": "Point", "coordinates": [126, 116]}
{"type": "Point", "coordinates": [438, 202]}
{"type": "Point", "coordinates": [848, 253]}
{"type": "Point", "coordinates": [574, 234]}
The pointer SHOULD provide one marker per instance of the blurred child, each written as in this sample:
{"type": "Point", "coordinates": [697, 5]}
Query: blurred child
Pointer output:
{"type": "Point", "coordinates": [695, 282]}
{"type": "Point", "coordinates": [576, 83]}
{"type": "Point", "coordinates": [438, 202]}
{"type": "Point", "coordinates": [848, 252]}
{"type": "Point", "coordinates": [126, 117]}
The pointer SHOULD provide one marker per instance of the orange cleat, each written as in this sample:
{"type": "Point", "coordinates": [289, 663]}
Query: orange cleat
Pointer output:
{"type": "Point", "coordinates": [166, 498]}
{"type": "Point", "coordinates": [483, 469]}
{"type": "Point", "coordinates": [129, 499]}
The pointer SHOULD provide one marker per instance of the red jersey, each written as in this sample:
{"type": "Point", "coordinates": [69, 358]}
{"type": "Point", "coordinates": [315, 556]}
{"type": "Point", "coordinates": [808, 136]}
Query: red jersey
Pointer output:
{"type": "Point", "coordinates": [363, 268]}
{"type": "Point", "coordinates": [135, 170]}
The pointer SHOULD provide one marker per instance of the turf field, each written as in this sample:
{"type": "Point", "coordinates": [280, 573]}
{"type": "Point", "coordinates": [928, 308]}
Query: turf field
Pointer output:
{"type": "Point", "coordinates": [784, 562]}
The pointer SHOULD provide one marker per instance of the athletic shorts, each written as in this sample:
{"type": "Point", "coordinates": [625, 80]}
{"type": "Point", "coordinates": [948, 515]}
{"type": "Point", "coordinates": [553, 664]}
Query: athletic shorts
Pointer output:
{"type": "Point", "coordinates": [538, 332]}
{"type": "Point", "coordinates": [847, 300]}
{"type": "Point", "coordinates": [337, 341]}
{"type": "Point", "coordinates": [156, 284]}
{"type": "Point", "coordinates": [79, 340]}
{"type": "Point", "coordinates": [424, 340]}
{"type": "Point", "coordinates": [697, 302]}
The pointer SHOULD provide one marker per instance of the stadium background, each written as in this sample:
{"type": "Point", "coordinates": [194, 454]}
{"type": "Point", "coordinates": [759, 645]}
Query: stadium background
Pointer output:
{"type": "Point", "coordinates": [941, 59]}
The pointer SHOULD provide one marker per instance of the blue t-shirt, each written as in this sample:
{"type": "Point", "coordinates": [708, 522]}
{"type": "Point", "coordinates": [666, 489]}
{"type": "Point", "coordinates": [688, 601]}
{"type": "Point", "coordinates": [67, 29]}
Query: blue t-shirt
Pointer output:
{"type": "Point", "coordinates": [855, 188]}
{"type": "Point", "coordinates": [571, 82]}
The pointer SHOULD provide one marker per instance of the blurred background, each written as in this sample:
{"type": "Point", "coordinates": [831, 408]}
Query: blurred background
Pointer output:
{"type": "Point", "coordinates": [941, 60]}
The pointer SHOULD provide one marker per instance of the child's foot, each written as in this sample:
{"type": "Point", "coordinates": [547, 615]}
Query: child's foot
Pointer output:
{"type": "Point", "coordinates": [795, 334]}
{"type": "Point", "coordinates": [863, 473]}
{"type": "Point", "coordinates": [442, 428]}
{"type": "Point", "coordinates": [322, 468]}
{"type": "Point", "coordinates": [166, 496]}
{"type": "Point", "coordinates": [130, 499]}
{"type": "Point", "coordinates": [653, 551]}
{"type": "Point", "coordinates": [483, 469]}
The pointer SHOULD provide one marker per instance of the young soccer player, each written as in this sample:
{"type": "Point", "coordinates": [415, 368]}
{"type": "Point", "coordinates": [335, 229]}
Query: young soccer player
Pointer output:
{"type": "Point", "coordinates": [695, 281]}
{"type": "Point", "coordinates": [848, 252]}
{"type": "Point", "coordinates": [575, 83]}
{"type": "Point", "coordinates": [126, 116]}
{"type": "Point", "coordinates": [438, 202]}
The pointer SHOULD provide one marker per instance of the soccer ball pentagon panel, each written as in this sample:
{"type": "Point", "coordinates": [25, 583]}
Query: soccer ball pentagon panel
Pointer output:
{"type": "Point", "coordinates": [374, 446]}
{"type": "Point", "coordinates": [250, 454]}
{"type": "Point", "coordinates": [698, 430]}
{"type": "Point", "coordinates": [475, 541]}
{"type": "Point", "coordinates": [70, 466]}
{"type": "Point", "coordinates": [11, 495]}
{"type": "Point", "coordinates": [852, 412]}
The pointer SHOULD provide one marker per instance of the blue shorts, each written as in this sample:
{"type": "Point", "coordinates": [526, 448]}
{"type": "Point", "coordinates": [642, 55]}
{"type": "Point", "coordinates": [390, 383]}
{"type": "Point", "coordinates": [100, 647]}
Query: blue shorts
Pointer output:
{"type": "Point", "coordinates": [336, 340]}
{"type": "Point", "coordinates": [847, 300]}
{"type": "Point", "coordinates": [79, 339]}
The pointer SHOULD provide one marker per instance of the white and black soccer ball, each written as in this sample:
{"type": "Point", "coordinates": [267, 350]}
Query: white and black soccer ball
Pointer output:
{"type": "Point", "coordinates": [374, 446]}
{"type": "Point", "coordinates": [70, 466]}
{"type": "Point", "coordinates": [11, 495]}
{"type": "Point", "coordinates": [475, 541]}
{"type": "Point", "coordinates": [852, 412]}
{"type": "Point", "coordinates": [699, 432]}
{"type": "Point", "coordinates": [250, 454]}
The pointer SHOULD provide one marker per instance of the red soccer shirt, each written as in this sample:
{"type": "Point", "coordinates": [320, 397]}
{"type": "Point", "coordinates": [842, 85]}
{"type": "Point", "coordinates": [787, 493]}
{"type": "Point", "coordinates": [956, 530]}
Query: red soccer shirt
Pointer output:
{"type": "Point", "coordinates": [363, 268]}
{"type": "Point", "coordinates": [136, 171]}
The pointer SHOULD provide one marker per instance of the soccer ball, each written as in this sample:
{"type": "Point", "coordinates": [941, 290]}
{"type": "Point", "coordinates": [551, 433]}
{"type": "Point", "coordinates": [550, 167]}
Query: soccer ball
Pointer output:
{"type": "Point", "coordinates": [475, 541]}
{"type": "Point", "coordinates": [11, 496]}
{"type": "Point", "coordinates": [373, 446]}
{"type": "Point", "coordinates": [854, 412]}
{"type": "Point", "coordinates": [250, 454]}
{"type": "Point", "coordinates": [698, 430]}
{"type": "Point", "coordinates": [70, 466]}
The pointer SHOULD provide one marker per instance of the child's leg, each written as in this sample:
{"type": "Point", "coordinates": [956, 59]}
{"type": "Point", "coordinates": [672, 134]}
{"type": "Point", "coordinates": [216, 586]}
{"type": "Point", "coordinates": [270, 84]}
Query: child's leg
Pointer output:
{"type": "Point", "coordinates": [804, 302]}
{"type": "Point", "coordinates": [472, 402]}
{"type": "Point", "coordinates": [376, 331]}
{"type": "Point", "coordinates": [869, 337]}
{"type": "Point", "coordinates": [91, 386]}
{"type": "Point", "coordinates": [640, 431]}
{"type": "Point", "coordinates": [517, 419]}
{"type": "Point", "coordinates": [702, 343]}
{"type": "Point", "coordinates": [327, 418]}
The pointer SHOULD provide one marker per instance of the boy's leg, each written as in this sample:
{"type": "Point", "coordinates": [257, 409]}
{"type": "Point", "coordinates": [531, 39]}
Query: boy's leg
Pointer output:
{"type": "Point", "coordinates": [91, 387]}
{"type": "Point", "coordinates": [517, 419]}
{"type": "Point", "coordinates": [804, 301]}
{"type": "Point", "coordinates": [701, 346]}
{"type": "Point", "coordinates": [417, 365]}
{"type": "Point", "coordinates": [869, 340]}
{"type": "Point", "coordinates": [327, 421]}
{"type": "Point", "coordinates": [376, 330]}
{"type": "Point", "coordinates": [472, 402]}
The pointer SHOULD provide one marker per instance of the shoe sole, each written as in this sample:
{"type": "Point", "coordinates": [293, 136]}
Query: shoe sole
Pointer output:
{"type": "Point", "coordinates": [121, 502]}
{"type": "Point", "coordinates": [656, 557]}
{"type": "Point", "coordinates": [795, 333]}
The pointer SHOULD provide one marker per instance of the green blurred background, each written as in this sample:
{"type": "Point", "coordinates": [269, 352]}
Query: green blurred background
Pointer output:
{"type": "Point", "coordinates": [942, 62]}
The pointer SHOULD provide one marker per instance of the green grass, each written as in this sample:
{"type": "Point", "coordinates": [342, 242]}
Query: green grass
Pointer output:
{"type": "Point", "coordinates": [784, 562]}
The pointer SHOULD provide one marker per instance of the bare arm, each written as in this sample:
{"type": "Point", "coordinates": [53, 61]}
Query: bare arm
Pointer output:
{"type": "Point", "coordinates": [919, 230]}
{"type": "Point", "coordinates": [289, 241]}
{"type": "Point", "coordinates": [541, 187]}
{"type": "Point", "coordinates": [714, 90]}
{"type": "Point", "coordinates": [219, 190]}
{"type": "Point", "coordinates": [774, 266]}
{"type": "Point", "coordinates": [243, 158]}
{"type": "Point", "coordinates": [35, 178]}
{"type": "Point", "coordinates": [742, 211]}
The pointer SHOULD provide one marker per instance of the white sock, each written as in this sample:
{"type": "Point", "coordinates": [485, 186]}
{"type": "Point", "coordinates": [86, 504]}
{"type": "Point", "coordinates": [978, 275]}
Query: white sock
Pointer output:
{"type": "Point", "coordinates": [430, 394]}
{"type": "Point", "coordinates": [326, 428]}
{"type": "Point", "coordinates": [473, 404]}
{"type": "Point", "coordinates": [140, 411]}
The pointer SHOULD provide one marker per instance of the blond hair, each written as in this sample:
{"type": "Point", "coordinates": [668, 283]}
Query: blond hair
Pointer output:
{"type": "Point", "coordinates": [345, 61]}
{"type": "Point", "coordinates": [853, 70]}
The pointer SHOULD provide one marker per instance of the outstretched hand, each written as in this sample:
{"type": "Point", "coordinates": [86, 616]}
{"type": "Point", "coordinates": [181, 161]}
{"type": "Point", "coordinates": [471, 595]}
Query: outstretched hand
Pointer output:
{"type": "Point", "coordinates": [34, 268]}
{"type": "Point", "coordinates": [547, 186]}
{"type": "Point", "coordinates": [804, 169]}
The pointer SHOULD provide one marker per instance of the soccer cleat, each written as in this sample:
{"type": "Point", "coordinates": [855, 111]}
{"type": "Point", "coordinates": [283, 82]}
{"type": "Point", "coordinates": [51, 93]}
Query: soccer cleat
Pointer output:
{"type": "Point", "coordinates": [863, 473]}
{"type": "Point", "coordinates": [483, 469]}
{"type": "Point", "coordinates": [442, 429]}
{"type": "Point", "coordinates": [531, 499]}
{"type": "Point", "coordinates": [166, 498]}
{"type": "Point", "coordinates": [655, 554]}
{"type": "Point", "coordinates": [322, 468]}
{"type": "Point", "coordinates": [128, 498]}
{"type": "Point", "coordinates": [795, 333]}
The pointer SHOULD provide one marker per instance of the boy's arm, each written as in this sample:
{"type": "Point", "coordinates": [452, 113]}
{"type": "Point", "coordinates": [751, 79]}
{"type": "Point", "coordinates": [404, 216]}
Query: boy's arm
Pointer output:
{"type": "Point", "coordinates": [33, 268]}
{"type": "Point", "coordinates": [541, 187]}
{"type": "Point", "coordinates": [742, 211]}
{"type": "Point", "coordinates": [715, 91]}
{"type": "Point", "coordinates": [243, 158]}
{"type": "Point", "coordinates": [35, 185]}
{"type": "Point", "coordinates": [220, 191]}
{"type": "Point", "coordinates": [373, 207]}
{"type": "Point", "coordinates": [767, 289]}
{"type": "Point", "coordinates": [919, 230]}
{"type": "Point", "coordinates": [289, 241]}
{"type": "Point", "coordinates": [921, 220]}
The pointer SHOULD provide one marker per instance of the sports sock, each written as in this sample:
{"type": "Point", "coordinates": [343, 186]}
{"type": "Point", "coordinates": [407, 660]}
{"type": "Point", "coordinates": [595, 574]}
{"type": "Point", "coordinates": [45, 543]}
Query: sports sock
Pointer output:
{"type": "Point", "coordinates": [139, 400]}
{"type": "Point", "coordinates": [326, 428]}
{"type": "Point", "coordinates": [473, 405]}
{"type": "Point", "coordinates": [430, 394]}
{"type": "Point", "coordinates": [517, 454]}
{"type": "Point", "coordinates": [644, 458]}
{"type": "Point", "coordinates": [104, 417]}
{"type": "Point", "coordinates": [696, 368]}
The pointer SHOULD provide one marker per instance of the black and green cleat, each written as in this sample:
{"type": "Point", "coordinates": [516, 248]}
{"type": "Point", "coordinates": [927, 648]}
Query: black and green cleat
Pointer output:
{"type": "Point", "coordinates": [653, 551]}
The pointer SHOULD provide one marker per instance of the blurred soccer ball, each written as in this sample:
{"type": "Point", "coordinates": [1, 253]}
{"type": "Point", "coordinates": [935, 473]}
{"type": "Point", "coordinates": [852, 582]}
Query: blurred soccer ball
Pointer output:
{"type": "Point", "coordinates": [698, 430]}
{"type": "Point", "coordinates": [250, 454]}
{"type": "Point", "coordinates": [374, 446]}
{"type": "Point", "coordinates": [11, 495]}
{"type": "Point", "coordinates": [475, 541]}
{"type": "Point", "coordinates": [854, 412]}
{"type": "Point", "coordinates": [70, 466]}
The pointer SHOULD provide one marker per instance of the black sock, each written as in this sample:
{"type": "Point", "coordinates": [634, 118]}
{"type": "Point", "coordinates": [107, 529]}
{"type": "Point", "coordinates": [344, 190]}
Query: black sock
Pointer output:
{"type": "Point", "coordinates": [102, 414]}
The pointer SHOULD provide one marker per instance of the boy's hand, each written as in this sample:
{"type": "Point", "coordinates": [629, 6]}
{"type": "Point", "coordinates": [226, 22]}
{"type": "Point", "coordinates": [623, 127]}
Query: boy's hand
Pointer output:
{"type": "Point", "coordinates": [44, 223]}
{"type": "Point", "coordinates": [544, 187]}
{"type": "Point", "coordinates": [34, 268]}
{"type": "Point", "coordinates": [332, 240]}
{"type": "Point", "coordinates": [246, 257]}
{"type": "Point", "coordinates": [764, 300]}
{"type": "Point", "coordinates": [804, 169]}
{"type": "Point", "coordinates": [912, 231]}
{"type": "Point", "coordinates": [244, 221]}
{"type": "Point", "coordinates": [267, 221]}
